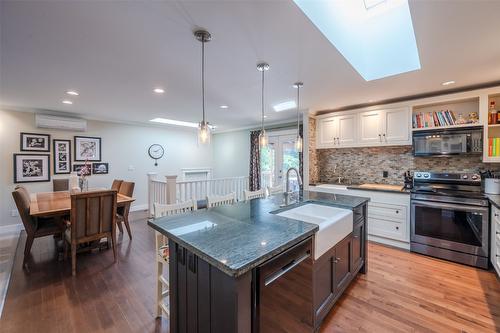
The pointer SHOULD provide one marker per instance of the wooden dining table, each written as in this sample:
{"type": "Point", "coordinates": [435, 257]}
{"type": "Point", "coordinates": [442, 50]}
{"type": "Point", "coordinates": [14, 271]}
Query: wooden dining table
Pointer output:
{"type": "Point", "coordinates": [46, 204]}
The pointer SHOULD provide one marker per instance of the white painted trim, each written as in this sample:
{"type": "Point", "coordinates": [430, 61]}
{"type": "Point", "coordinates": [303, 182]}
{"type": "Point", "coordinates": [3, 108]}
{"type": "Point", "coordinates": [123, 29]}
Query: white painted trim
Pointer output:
{"type": "Point", "coordinates": [390, 242]}
{"type": "Point", "coordinates": [10, 228]}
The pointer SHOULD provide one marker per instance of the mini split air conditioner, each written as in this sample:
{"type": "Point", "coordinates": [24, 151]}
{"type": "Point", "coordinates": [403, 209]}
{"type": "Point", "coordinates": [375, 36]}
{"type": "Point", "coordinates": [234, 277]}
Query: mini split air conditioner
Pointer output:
{"type": "Point", "coordinates": [61, 123]}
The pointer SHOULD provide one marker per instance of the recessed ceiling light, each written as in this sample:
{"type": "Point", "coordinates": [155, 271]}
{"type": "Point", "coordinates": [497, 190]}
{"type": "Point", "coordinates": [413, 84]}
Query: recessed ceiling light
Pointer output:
{"type": "Point", "coordinates": [159, 90]}
{"type": "Point", "coordinates": [447, 83]}
{"type": "Point", "coordinates": [72, 93]}
{"type": "Point", "coordinates": [176, 122]}
{"type": "Point", "coordinates": [284, 106]}
{"type": "Point", "coordinates": [67, 102]}
{"type": "Point", "coordinates": [224, 106]}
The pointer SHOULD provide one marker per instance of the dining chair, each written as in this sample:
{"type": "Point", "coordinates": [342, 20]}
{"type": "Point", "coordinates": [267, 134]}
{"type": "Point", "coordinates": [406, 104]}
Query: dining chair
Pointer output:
{"type": "Point", "coordinates": [163, 252]}
{"type": "Point", "coordinates": [122, 213]}
{"type": "Point", "coordinates": [60, 185]}
{"type": "Point", "coordinates": [274, 189]}
{"type": "Point", "coordinates": [116, 184]}
{"type": "Point", "coordinates": [35, 227]}
{"type": "Point", "coordinates": [220, 200]}
{"type": "Point", "coordinates": [249, 195]}
{"type": "Point", "coordinates": [93, 217]}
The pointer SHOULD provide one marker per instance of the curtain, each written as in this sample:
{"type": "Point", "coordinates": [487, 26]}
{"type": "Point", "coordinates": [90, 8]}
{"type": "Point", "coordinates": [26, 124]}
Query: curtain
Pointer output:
{"type": "Point", "coordinates": [254, 161]}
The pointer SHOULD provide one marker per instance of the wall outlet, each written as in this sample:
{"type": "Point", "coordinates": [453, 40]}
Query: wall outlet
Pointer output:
{"type": "Point", "coordinates": [385, 174]}
{"type": "Point", "coordinates": [14, 213]}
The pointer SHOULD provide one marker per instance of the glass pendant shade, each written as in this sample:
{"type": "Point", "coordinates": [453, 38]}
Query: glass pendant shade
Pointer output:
{"type": "Point", "coordinates": [263, 139]}
{"type": "Point", "coordinates": [204, 133]}
{"type": "Point", "coordinates": [299, 144]}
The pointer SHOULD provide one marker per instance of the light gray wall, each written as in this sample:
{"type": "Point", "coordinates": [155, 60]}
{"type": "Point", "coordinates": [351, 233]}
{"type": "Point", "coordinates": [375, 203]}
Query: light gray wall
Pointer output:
{"type": "Point", "coordinates": [122, 146]}
{"type": "Point", "coordinates": [231, 154]}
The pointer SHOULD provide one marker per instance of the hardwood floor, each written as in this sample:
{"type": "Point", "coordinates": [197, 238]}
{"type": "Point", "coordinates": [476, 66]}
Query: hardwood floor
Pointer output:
{"type": "Point", "coordinates": [402, 292]}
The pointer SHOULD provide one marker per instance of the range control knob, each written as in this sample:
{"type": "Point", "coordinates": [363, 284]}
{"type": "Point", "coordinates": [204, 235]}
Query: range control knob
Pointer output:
{"type": "Point", "coordinates": [475, 177]}
{"type": "Point", "coordinates": [419, 175]}
{"type": "Point", "coordinates": [426, 175]}
{"type": "Point", "coordinates": [466, 177]}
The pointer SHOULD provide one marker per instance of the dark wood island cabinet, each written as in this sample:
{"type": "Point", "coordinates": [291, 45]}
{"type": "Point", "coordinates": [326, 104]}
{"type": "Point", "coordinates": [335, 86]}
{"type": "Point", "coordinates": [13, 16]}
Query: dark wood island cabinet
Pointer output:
{"type": "Point", "coordinates": [285, 290]}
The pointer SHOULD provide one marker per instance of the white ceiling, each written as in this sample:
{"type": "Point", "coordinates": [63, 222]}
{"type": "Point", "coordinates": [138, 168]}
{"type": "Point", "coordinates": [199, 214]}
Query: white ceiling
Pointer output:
{"type": "Point", "coordinates": [115, 52]}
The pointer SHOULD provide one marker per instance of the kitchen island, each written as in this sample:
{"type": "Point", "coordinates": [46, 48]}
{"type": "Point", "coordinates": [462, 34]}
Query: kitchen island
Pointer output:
{"type": "Point", "coordinates": [227, 266]}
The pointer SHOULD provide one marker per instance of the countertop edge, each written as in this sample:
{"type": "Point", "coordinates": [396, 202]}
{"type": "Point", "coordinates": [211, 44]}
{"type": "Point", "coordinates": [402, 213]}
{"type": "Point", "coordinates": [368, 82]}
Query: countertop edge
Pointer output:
{"type": "Point", "coordinates": [494, 199]}
{"type": "Point", "coordinates": [355, 187]}
{"type": "Point", "coordinates": [245, 268]}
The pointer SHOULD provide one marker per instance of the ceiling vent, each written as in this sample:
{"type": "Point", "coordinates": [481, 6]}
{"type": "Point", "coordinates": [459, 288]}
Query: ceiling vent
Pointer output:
{"type": "Point", "coordinates": [60, 123]}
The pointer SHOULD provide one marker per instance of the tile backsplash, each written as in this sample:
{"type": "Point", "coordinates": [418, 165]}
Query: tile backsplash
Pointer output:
{"type": "Point", "coordinates": [366, 165]}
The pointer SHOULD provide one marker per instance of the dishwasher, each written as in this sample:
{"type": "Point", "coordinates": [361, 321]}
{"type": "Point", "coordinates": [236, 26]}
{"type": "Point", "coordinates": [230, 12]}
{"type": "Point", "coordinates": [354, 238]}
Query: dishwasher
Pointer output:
{"type": "Point", "coordinates": [284, 294]}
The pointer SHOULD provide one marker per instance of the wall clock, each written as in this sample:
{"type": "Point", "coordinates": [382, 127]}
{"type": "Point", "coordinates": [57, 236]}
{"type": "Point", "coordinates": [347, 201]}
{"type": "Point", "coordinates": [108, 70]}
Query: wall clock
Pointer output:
{"type": "Point", "coordinates": [156, 152]}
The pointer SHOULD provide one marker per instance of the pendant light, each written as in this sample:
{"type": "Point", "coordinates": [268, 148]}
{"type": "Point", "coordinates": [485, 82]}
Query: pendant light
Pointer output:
{"type": "Point", "coordinates": [263, 138]}
{"type": "Point", "coordinates": [298, 141]}
{"type": "Point", "coordinates": [203, 127]}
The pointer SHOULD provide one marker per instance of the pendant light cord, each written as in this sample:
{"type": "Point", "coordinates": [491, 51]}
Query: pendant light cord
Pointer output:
{"type": "Point", "coordinates": [203, 76]}
{"type": "Point", "coordinates": [262, 100]}
{"type": "Point", "coordinates": [298, 108]}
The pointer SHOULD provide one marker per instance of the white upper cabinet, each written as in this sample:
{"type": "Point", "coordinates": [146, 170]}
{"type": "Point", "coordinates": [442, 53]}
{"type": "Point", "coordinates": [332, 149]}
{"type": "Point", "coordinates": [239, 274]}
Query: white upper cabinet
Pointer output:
{"type": "Point", "coordinates": [370, 127]}
{"type": "Point", "coordinates": [396, 124]}
{"type": "Point", "coordinates": [347, 130]}
{"type": "Point", "coordinates": [336, 131]}
{"type": "Point", "coordinates": [327, 129]}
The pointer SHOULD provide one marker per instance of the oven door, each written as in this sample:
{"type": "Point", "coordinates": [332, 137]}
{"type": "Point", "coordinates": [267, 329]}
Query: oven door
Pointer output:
{"type": "Point", "coordinates": [455, 227]}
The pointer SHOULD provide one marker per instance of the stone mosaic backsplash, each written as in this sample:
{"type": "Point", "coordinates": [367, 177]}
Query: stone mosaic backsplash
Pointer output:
{"type": "Point", "coordinates": [366, 165]}
{"type": "Point", "coordinates": [313, 153]}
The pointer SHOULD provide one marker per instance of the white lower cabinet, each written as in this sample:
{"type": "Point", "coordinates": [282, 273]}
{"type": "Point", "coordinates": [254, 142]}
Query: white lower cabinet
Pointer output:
{"type": "Point", "coordinates": [495, 238]}
{"type": "Point", "coordinates": [388, 215]}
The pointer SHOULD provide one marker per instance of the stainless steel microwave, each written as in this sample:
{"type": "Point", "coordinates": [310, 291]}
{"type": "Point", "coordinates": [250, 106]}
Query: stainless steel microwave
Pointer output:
{"type": "Point", "coordinates": [461, 141]}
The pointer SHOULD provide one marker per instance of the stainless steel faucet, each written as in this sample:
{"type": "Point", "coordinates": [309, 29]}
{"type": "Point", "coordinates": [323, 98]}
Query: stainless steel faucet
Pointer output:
{"type": "Point", "coordinates": [299, 179]}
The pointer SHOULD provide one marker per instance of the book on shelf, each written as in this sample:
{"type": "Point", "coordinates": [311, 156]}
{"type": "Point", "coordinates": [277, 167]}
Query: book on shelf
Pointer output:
{"type": "Point", "coordinates": [434, 119]}
{"type": "Point", "coordinates": [494, 147]}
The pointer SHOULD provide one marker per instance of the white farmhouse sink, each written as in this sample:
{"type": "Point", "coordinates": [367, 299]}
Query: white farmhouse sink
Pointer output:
{"type": "Point", "coordinates": [334, 224]}
{"type": "Point", "coordinates": [333, 186]}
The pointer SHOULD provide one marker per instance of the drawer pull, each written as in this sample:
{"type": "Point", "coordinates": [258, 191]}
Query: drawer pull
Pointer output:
{"type": "Point", "coordinates": [397, 212]}
{"type": "Point", "coordinates": [356, 236]}
{"type": "Point", "coordinates": [397, 228]}
{"type": "Point", "coordinates": [336, 261]}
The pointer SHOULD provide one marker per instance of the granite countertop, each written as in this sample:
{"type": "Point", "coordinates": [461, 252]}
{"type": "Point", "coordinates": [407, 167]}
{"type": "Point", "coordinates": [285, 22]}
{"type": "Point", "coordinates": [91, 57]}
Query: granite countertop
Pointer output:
{"type": "Point", "coordinates": [239, 237]}
{"type": "Point", "coordinates": [380, 187]}
{"type": "Point", "coordinates": [371, 187]}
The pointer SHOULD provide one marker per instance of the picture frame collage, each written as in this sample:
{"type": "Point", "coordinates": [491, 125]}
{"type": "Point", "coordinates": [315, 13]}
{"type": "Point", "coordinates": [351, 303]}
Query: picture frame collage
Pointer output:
{"type": "Point", "coordinates": [33, 163]}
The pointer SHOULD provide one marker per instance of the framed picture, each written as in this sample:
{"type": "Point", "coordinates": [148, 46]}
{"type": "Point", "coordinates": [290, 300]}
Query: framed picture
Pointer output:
{"type": "Point", "coordinates": [31, 168]}
{"type": "Point", "coordinates": [35, 142]}
{"type": "Point", "coordinates": [62, 156]}
{"type": "Point", "coordinates": [100, 168]}
{"type": "Point", "coordinates": [78, 168]}
{"type": "Point", "coordinates": [87, 148]}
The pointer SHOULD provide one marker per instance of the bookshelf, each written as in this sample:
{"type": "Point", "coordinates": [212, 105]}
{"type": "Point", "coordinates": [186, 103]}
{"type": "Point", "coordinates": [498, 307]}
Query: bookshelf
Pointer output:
{"type": "Point", "coordinates": [493, 133]}
{"type": "Point", "coordinates": [445, 115]}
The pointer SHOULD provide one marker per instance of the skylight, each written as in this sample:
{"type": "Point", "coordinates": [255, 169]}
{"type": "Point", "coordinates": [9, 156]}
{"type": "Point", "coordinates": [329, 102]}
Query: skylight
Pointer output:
{"type": "Point", "coordinates": [176, 122]}
{"type": "Point", "coordinates": [375, 36]}
{"type": "Point", "coordinates": [284, 106]}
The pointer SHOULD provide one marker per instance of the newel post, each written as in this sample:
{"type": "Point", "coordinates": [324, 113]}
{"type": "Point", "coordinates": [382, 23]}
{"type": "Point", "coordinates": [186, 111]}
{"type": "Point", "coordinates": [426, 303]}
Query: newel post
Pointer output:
{"type": "Point", "coordinates": [151, 195]}
{"type": "Point", "coordinates": [171, 189]}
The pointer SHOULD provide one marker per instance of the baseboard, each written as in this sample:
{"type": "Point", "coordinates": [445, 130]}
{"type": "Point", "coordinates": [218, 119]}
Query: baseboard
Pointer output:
{"type": "Point", "coordinates": [390, 242]}
{"type": "Point", "coordinates": [139, 207]}
{"type": "Point", "coordinates": [10, 228]}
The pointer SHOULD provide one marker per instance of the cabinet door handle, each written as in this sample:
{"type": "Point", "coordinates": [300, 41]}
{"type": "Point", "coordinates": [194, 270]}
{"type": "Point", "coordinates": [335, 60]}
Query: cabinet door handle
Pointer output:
{"type": "Point", "coordinates": [397, 212]}
{"type": "Point", "coordinates": [356, 236]}
{"type": "Point", "coordinates": [380, 137]}
{"type": "Point", "coordinates": [397, 228]}
{"type": "Point", "coordinates": [385, 138]}
{"type": "Point", "coordinates": [496, 214]}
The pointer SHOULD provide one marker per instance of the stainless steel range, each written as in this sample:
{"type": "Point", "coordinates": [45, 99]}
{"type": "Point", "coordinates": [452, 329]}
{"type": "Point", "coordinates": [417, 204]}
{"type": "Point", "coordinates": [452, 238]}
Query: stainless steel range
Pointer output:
{"type": "Point", "coordinates": [450, 217]}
